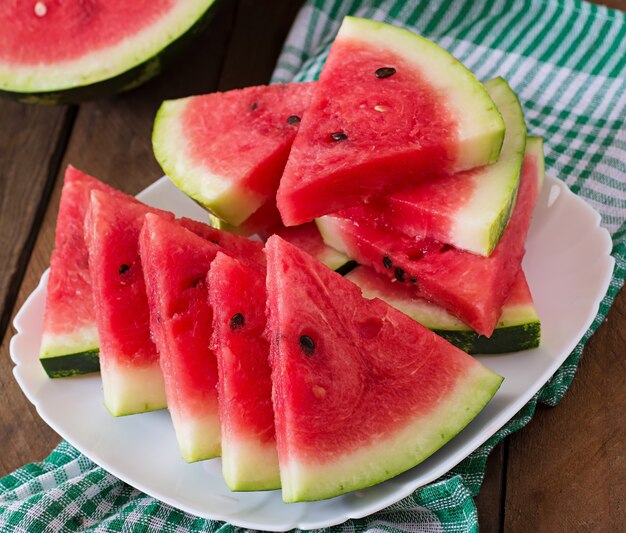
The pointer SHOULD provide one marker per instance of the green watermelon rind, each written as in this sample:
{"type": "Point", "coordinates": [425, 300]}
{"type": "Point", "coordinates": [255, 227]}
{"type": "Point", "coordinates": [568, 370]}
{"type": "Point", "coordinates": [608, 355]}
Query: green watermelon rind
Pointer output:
{"type": "Point", "coordinates": [387, 458]}
{"type": "Point", "coordinates": [519, 327]}
{"type": "Point", "coordinates": [466, 98]}
{"type": "Point", "coordinates": [75, 364]}
{"type": "Point", "coordinates": [491, 206]}
{"type": "Point", "coordinates": [140, 61]}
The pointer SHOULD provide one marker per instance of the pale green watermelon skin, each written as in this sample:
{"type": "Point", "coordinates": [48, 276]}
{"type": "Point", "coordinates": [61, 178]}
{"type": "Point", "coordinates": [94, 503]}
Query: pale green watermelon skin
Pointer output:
{"type": "Point", "coordinates": [377, 395]}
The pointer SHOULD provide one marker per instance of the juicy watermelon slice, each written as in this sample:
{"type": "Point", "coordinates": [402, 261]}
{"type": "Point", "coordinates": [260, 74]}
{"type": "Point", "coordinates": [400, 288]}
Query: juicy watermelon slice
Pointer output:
{"type": "Point", "coordinates": [69, 344]}
{"type": "Point", "coordinates": [175, 262]}
{"type": "Point", "coordinates": [129, 363]}
{"type": "Point", "coordinates": [237, 296]}
{"type": "Point", "coordinates": [471, 287]}
{"type": "Point", "coordinates": [54, 52]}
{"type": "Point", "coordinates": [518, 327]}
{"type": "Point", "coordinates": [390, 109]}
{"type": "Point", "coordinates": [228, 150]}
{"type": "Point", "coordinates": [308, 238]}
{"type": "Point", "coordinates": [361, 392]}
{"type": "Point", "coordinates": [468, 210]}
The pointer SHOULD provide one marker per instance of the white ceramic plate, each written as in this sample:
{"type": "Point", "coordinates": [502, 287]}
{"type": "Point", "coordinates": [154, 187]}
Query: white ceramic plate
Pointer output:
{"type": "Point", "coordinates": [568, 267]}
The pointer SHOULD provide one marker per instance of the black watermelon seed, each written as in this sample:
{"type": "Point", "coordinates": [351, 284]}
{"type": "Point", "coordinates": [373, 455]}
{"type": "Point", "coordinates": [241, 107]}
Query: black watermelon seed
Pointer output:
{"type": "Point", "coordinates": [387, 263]}
{"type": "Point", "coordinates": [384, 72]}
{"type": "Point", "coordinates": [214, 241]}
{"type": "Point", "coordinates": [123, 269]}
{"type": "Point", "coordinates": [338, 136]}
{"type": "Point", "coordinates": [236, 322]}
{"type": "Point", "coordinates": [399, 273]}
{"type": "Point", "coordinates": [253, 106]}
{"type": "Point", "coordinates": [293, 119]}
{"type": "Point", "coordinates": [307, 345]}
{"type": "Point", "coordinates": [445, 248]}
{"type": "Point", "coordinates": [412, 279]}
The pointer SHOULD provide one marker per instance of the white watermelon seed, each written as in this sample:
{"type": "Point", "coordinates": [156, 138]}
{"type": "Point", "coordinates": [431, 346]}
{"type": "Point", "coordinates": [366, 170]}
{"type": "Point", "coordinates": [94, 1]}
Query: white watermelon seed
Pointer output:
{"type": "Point", "coordinates": [40, 9]}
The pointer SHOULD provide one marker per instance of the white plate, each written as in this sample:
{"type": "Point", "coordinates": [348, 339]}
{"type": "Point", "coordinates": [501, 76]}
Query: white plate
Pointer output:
{"type": "Point", "coordinates": [568, 267]}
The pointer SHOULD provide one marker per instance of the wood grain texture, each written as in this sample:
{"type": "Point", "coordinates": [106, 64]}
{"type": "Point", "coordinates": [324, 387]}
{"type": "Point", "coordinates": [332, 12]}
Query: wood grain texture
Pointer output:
{"type": "Point", "coordinates": [489, 500]}
{"type": "Point", "coordinates": [111, 139]}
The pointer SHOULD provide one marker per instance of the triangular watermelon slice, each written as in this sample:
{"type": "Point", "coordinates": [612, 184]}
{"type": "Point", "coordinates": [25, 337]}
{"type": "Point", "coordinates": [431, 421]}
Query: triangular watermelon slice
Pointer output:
{"type": "Point", "coordinates": [361, 392]}
{"type": "Point", "coordinates": [237, 296]}
{"type": "Point", "coordinates": [69, 344]}
{"type": "Point", "coordinates": [390, 109]}
{"type": "Point", "coordinates": [471, 287]}
{"type": "Point", "coordinates": [228, 150]}
{"type": "Point", "coordinates": [129, 363]}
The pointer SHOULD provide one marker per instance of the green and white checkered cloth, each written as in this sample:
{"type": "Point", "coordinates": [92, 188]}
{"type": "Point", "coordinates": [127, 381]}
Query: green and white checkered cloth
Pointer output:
{"type": "Point", "coordinates": [567, 61]}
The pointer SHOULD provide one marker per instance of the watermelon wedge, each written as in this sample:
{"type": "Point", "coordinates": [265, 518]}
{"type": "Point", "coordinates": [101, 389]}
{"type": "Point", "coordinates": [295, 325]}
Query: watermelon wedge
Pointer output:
{"type": "Point", "coordinates": [69, 343]}
{"type": "Point", "coordinates": [237, 296]}
{"type": "Point", "coordinates": [361, 392]}
{"type": "Point", "coordinates": [53, 52]}
{"type": "Point", "coordinates": [175, 262]}
{"type": "Point", "coordinates": [129, 362]}
{"type": "Point", "coordinates": [518, 327]}
{"type": "Point", "coordinates": [468, 210]}
{"type": "Point", "coordinates": [471, 287]}
{"type": "Point", "coordinates": [228, 150]}
{"type": "Point", "coordinates": [390, 109]}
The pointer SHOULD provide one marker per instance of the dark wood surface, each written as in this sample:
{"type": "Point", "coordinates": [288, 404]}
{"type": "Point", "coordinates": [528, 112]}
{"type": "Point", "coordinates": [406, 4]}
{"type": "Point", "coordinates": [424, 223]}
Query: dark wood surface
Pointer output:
{"type": "Point", "coordinates": [564, 472]}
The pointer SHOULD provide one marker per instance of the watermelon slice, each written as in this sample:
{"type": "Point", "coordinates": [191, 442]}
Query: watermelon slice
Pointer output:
{"type": "Point", "coordinates": [361, 392]}
{"type": "Point", "coordinates": [237, 296]}
{"type": "Point", "coordinates": [69, 344]}
{"type": "Point", "coordinates": [129, 363]}
{"type": "Point", "coordinates": [176, 256]}
{"type": "Point", "coordinates": [468, 210]}
{"type": "Point", "coordinates": [518, 328]}
{"type": "Point", "coordinates": [308, 238]}
{"type": "Point", "coordinates": [228, 150]}
{"type": "Point", "coordinates": [53, 52]}
{"type": "Point", "coordinates": [471, 287]}
{"type": "Point", "coordinates": [390, 109]}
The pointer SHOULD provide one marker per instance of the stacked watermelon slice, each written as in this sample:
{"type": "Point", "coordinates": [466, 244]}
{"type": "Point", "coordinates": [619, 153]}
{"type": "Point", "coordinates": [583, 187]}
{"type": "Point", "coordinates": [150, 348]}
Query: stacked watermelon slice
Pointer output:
{"type": "Point", "coordinates": [300, 378]}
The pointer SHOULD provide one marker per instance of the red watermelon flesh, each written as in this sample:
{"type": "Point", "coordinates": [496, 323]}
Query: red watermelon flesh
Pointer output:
{"type": "Point", "coordinates": [176, 262]}
{"type": "Point", "coordinates": [129, 362]}
{"type": "Point", "coordinates": [361, 392]}
{"type": "Point", "coordinates": [69, 342]}
{"type": "Point", "coordinates": [228, 150]}
{"type": "Point", "coordinates": [237, 296]}
{"type": "Point", "coordinates": [471, 287]}
{"type": "Point", "coordinates": [385, 115]}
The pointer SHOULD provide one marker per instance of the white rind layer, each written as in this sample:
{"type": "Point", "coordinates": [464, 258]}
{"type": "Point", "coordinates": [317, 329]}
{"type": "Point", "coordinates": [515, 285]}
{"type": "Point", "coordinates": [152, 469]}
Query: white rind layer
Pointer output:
{"type": "Point", "coordinates": [198, 437]}
{"type": "Point", "coordinates": [386, 458]}
{"type": "Point", "coordinates": [248, 464]}
{"type": "Point", "coordinates": [108, 62]}
{"type": "Point", "coordinates": [131, 389]}
{"type": "Point", "coordinates": [478, 225]}
{"type": "Point", "coordinates": [216, 193]}
{"type": "Point", "coordinates": [480, 125]}
{"type": "Point", "coordinates": [78, 341]}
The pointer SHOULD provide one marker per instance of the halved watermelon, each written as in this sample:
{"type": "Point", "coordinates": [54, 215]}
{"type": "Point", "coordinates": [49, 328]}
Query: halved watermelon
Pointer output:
{"type": "Point", "coordinates": [129, 362]}
{"type": "Point", "coordinates": [468, 210]}
{"type": "Point", "coordinates": [237, 296]}
{"type": "Point", "coordinates": [69, 343]}
{"type": "Point", "coordinates": [518, 327]}
{"type": "Point", "coordinates": [361, 391]}
{"type": "Point", "coordinates": [390, 109]}
{"type": "Point", "coordinates": [228, 150]}
{"type": "Point", "coordinates": [471, 287]}
{"type": "Point", "coordinates": [53, 52]}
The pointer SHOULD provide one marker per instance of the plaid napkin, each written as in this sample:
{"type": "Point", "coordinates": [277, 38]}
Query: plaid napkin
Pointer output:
{"type": "Point", "coordinates": [565, 60]}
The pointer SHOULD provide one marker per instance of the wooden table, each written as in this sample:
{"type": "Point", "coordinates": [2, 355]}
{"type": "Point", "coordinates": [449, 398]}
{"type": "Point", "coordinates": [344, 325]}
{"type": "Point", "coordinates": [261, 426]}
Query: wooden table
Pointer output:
{"type": "Point", "coordinates": [564, 472]}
